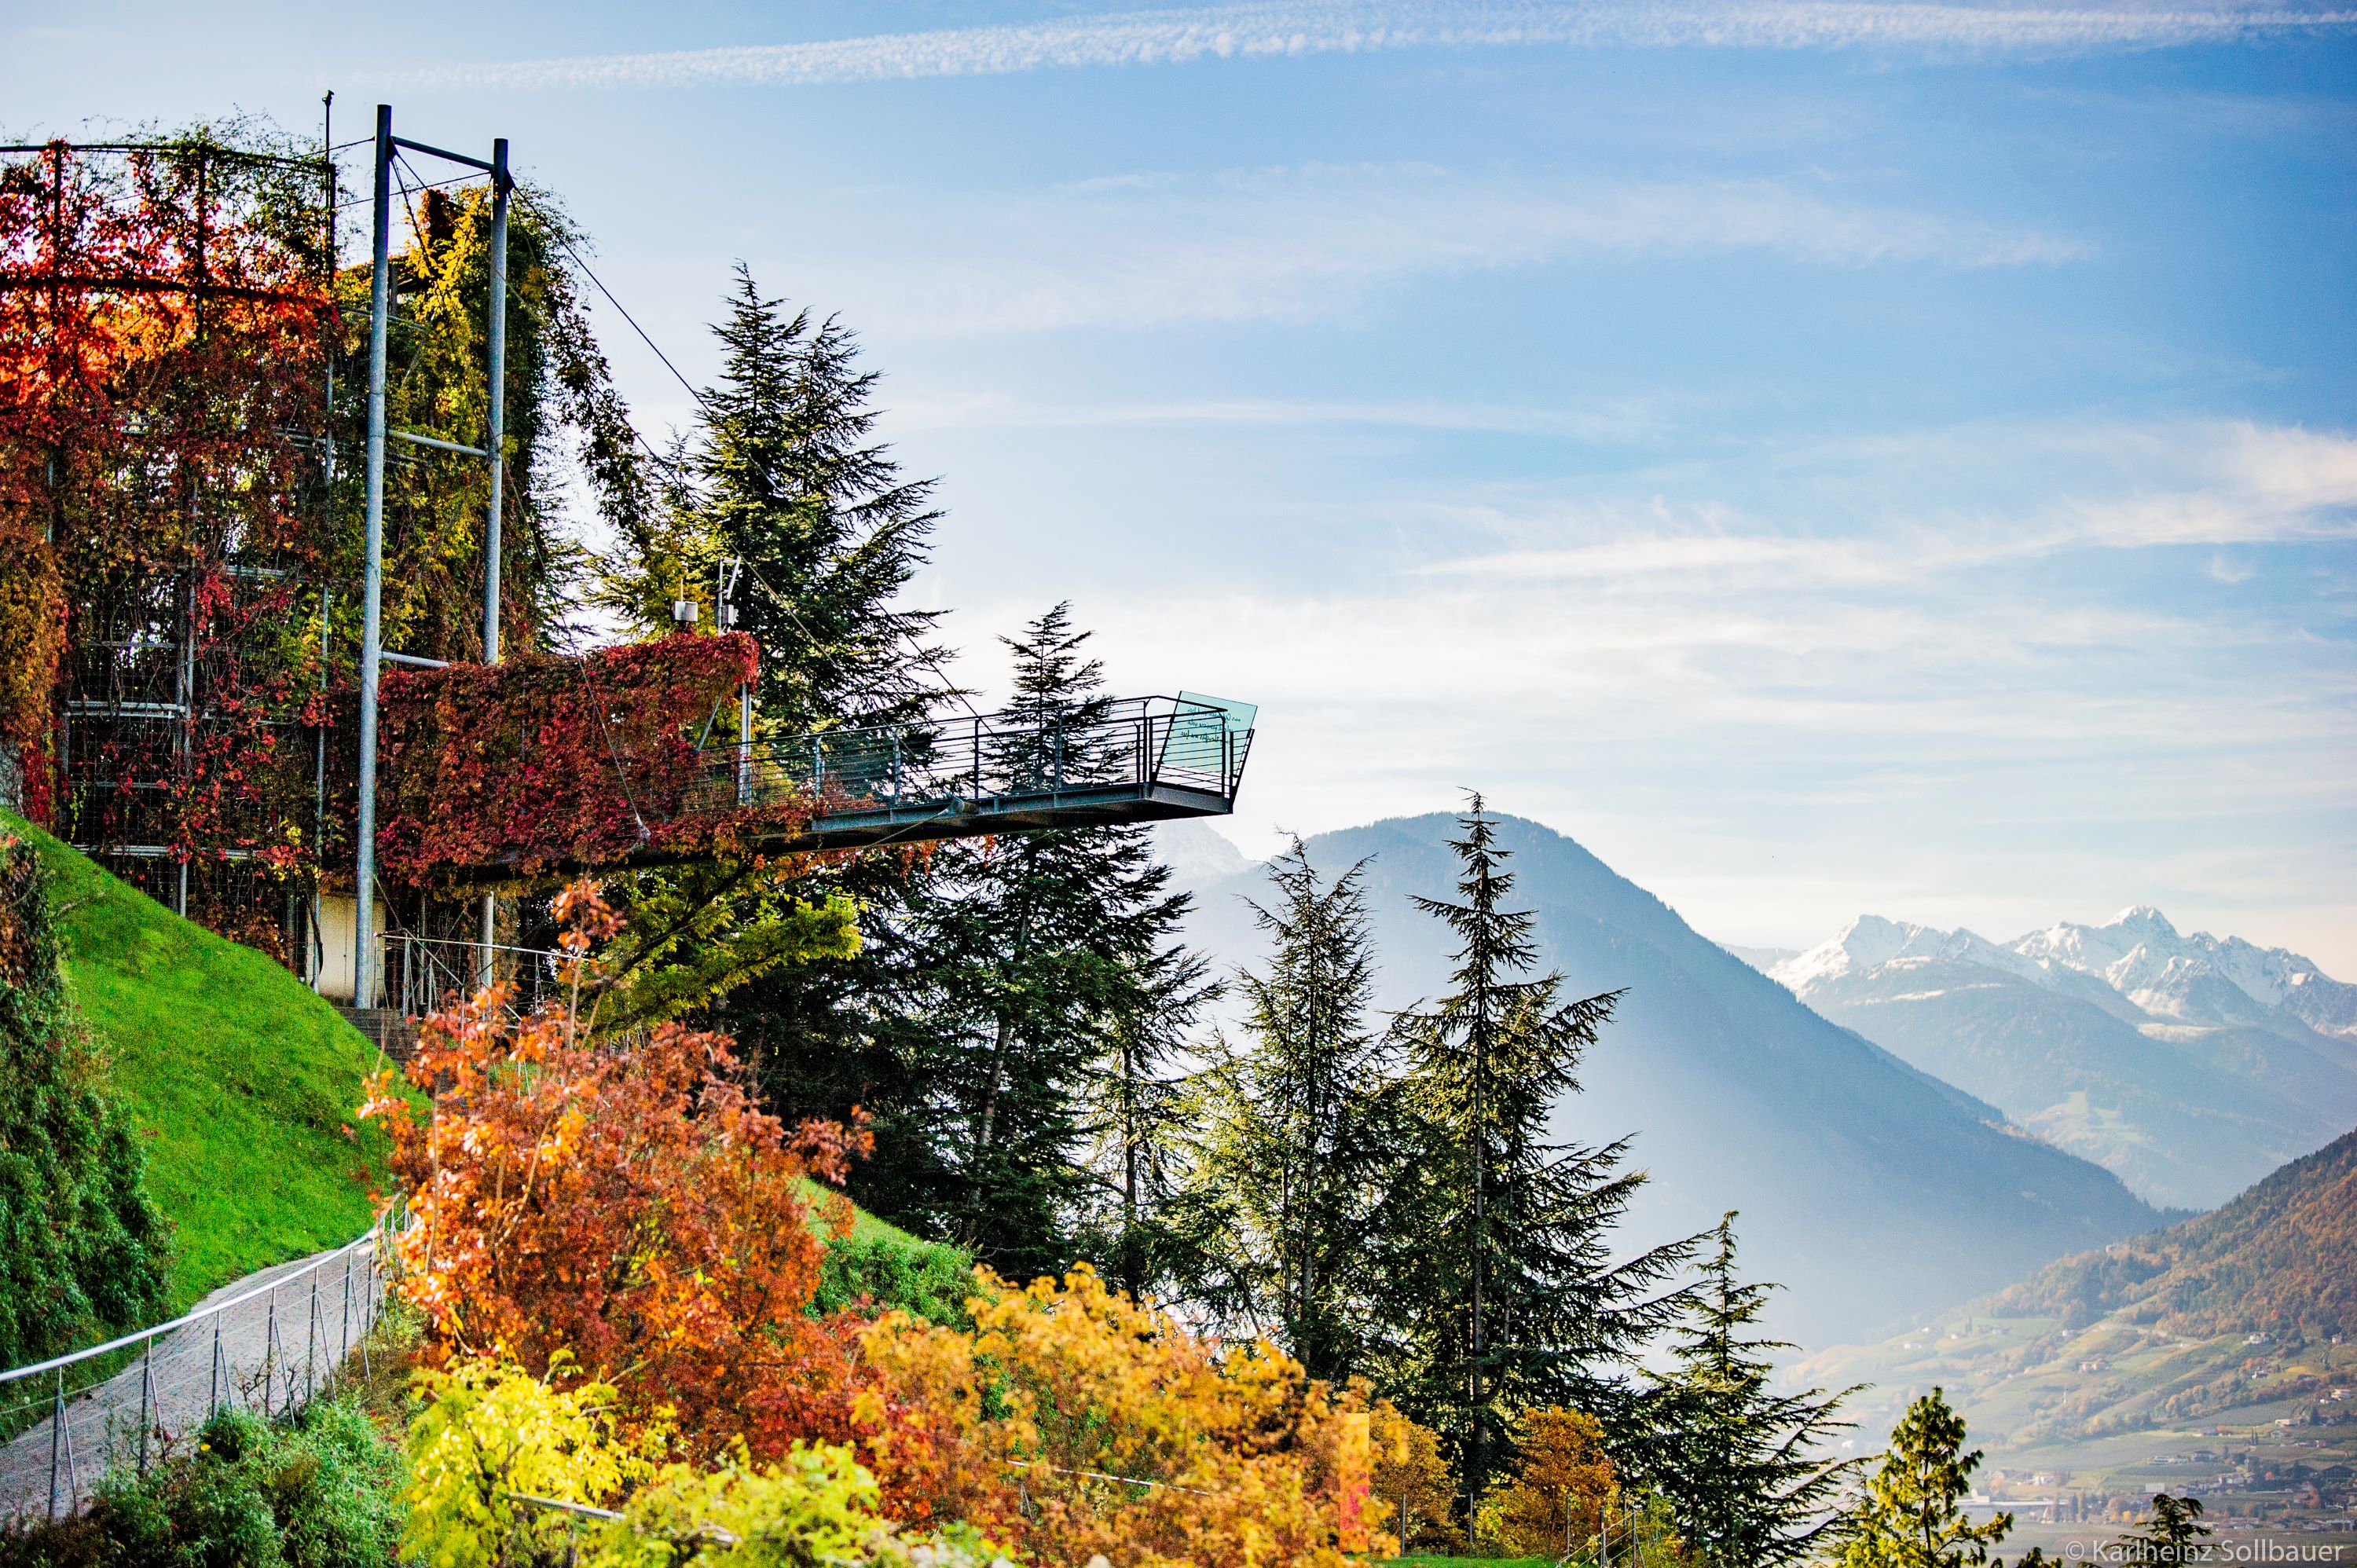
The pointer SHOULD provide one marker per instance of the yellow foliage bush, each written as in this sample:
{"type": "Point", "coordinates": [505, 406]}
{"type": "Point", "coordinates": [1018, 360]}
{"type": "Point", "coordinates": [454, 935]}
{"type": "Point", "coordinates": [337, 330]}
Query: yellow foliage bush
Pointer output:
{"type": "Point", "coordinates": [1074, 1422]}
{"type": "Point", "coordinates": [489, 1429]}
{"type": "Point", "coordinates": [819, 1506]}
{"type": "Point", "coordinates": [1412, 1474]}
{"type": "Point", "coordinates": [1564, 1486]}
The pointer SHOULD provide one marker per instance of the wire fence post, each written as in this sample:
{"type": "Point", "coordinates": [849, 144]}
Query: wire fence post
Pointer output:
{"type": "Point", "coordinates": [56, 1436]}
{"type": "Point", "coordinates": [270, 1354]}
{"type": "Point", "coordinates": [310, 1343]}
{"type": "Point", "coordinates": [147, 1403]}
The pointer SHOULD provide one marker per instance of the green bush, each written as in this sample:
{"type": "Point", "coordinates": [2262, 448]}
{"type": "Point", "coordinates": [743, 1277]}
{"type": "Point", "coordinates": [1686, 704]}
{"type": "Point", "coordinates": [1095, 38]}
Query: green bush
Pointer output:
{"type": "Point", "coordinates": [83, 1253]}
{"type": "Point", "coordinates": [878, 1273]}
{"type": "Point", "coordinates": [319, 1492]}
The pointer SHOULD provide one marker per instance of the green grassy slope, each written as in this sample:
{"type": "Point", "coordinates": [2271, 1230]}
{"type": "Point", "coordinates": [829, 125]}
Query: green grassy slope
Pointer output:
{"type": "Point", "coordinates": [239, 1081]}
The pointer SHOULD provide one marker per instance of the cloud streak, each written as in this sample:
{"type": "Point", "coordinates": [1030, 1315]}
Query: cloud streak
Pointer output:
{"type": "Point", "coordinates": [1174, 37]}
{"type": "Point", "coordinates": [1304, 243]}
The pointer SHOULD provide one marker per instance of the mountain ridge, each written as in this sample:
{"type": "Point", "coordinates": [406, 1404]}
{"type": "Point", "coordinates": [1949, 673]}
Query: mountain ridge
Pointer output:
{"type": "Point", "coordinates": [2159, 1055]}
{"type": "Point", "coordinates": [2251, 1306]}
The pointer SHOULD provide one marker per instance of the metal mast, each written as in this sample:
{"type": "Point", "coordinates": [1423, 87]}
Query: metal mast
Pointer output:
{"type": "Point", "coordinates": [496, 336]}
{"type": "Point", "coordinates": [372, 583]}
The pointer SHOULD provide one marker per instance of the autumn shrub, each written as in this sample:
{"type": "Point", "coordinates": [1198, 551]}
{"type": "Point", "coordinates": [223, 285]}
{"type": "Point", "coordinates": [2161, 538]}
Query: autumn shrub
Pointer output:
{"type": "Point", "coordinates": [817, 1506]}
{"type": "Point", "coordinates": [626, 1214]}
{"type": "Point", "coordinates": [1073, 1421]}
{"type": "Point", "coordinates": [487, 1429]}
{"type": "Point", "coordinates": [1564, 1486]}
{"type": "Point", "coordinates": [1414, 1488]}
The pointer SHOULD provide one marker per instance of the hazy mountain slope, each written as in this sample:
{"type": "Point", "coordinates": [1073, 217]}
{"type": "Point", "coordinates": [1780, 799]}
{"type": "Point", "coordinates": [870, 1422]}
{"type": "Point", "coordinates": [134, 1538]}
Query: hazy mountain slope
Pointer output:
{"type": "Point", "coordinates": [2254, 1305]}
{"type": "Point", "coordinates": [2186, 1113]}
{"type": "Point", "coordinates": [1870, 1191]}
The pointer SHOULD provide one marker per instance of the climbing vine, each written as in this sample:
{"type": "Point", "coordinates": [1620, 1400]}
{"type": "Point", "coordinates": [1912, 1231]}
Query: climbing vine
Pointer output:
{"type": "Point", "coordinates": [547, 762]}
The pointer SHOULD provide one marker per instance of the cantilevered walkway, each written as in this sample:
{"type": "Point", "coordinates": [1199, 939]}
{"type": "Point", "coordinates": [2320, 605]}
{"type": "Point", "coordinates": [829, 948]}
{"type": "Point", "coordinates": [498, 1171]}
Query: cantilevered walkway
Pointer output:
{"type": "Point", "coordinates": [1134, 760]}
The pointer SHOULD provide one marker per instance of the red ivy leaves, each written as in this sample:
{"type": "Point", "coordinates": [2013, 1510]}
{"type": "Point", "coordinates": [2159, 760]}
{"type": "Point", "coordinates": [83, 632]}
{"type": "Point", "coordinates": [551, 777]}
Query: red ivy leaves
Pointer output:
{"type": "Point", "coordinates": [545, 762]}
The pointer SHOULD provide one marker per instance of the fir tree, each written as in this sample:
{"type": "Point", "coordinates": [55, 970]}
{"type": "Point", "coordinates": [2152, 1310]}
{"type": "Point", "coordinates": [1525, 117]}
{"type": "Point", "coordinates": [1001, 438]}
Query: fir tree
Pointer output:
{"type": "Point", "coordinates": [1912, 1513]}
{"type": "Point", "coordinates": [1301, 1133]}
{"type": "Point", "coordinates": [1511, 1297]}
{"type": "Point", "coordinates": [783, 473]}
{"type": "Point", "coordinates": [1743, 1467]}
{"type": "Point", "coordinates": [1051, 988]}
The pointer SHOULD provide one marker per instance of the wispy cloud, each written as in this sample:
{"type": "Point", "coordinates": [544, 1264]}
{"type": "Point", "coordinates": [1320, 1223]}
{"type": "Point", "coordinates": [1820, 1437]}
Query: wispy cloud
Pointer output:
{"type": "Point", "coordinates": [1151, 251]}
{"type": "Point", "coordinates": [2136, 487]}
{"type": "Point", "coordinates": [1174, 37]}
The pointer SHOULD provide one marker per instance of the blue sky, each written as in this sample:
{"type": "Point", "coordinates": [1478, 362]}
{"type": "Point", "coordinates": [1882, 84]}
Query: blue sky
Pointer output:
{"type": "Point", "coordinates": [1825, 457]}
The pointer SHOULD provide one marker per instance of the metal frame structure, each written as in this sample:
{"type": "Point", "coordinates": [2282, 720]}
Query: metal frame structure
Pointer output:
{"type": "Point", "coordinates": [372, 653]}
{"type": "Point", "coordinates": [143, 679]}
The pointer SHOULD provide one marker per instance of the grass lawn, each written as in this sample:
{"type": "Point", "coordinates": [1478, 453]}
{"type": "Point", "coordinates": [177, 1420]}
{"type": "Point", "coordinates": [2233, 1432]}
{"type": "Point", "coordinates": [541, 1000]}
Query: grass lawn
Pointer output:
{"type": "Point", "coordinates": [239, 1081]}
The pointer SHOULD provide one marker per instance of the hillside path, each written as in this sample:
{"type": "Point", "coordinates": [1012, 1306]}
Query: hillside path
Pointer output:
{"type": "Point", "coordinates": [265, 1352]}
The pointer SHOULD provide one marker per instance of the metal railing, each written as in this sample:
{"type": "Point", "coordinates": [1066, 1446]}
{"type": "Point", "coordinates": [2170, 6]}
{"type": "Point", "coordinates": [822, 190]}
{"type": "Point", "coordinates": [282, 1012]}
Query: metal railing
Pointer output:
{"type": "Point", "coordinates": [1138, 743]}
{"type": "Point", "coordinates": [72, 1417]}
{"type": "Point", "coordinates": [422, 973]}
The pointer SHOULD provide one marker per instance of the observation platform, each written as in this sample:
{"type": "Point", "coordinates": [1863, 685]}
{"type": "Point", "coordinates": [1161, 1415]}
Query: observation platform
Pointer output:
{"type": "Point", "coordinates": [1134, 760]}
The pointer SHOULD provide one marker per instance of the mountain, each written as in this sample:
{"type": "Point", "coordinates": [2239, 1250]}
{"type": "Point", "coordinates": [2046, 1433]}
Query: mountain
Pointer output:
{"type": "Point", "coordinates": [2188, 1066]}
{"type": "Point", "coordinates": [2253, 1306]}
{"type": "Point", "coordinates": [1872, 1190]}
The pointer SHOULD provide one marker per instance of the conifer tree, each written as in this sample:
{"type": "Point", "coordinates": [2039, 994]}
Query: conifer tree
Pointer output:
{"type": "Point", "coordinates": [1744, 1468]}
{"type": "Point", "coordinates": [1301, 1133]}
{"type": "Point", "coordinates": [1912, 1514]}
{"type": "Point", "coordinates": [782, 472]}
{"type": "Point", "coordinates": [1052, 980]}
{"type": "Point", "coordinates": [1511, 1297]}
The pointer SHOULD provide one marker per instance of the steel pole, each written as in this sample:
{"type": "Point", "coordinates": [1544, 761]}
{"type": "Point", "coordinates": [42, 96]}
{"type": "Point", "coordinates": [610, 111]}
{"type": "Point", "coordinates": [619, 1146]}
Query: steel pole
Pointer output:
{"type": "Point", "coordinates": [372, 581]}
{"type": "Point", "coordinates": [496, 331]}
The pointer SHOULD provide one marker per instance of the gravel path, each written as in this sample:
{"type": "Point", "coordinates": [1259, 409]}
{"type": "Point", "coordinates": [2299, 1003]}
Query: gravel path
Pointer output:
{"type": "Point", "coordinates": [285, 1333]}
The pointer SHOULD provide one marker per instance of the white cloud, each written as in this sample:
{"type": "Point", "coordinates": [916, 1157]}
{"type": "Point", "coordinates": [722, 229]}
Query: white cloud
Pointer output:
{"type": "Point", "coordinates": [1275, 30]}
{"type": "Point", "coordinates": [1150, 250]}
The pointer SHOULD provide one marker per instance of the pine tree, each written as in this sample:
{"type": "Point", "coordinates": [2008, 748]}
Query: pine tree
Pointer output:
{"type": "Point", "coordinates": [1912, 1513]}
{"type": "Point", "coordinates": [1301, 1133]}
{"type": "Point", "coordinates": [1050, 987]}
{"type": "Point", "coordinates": [1744, 1467]}
{"type": "Point", "coordinates": [1511, 1297]}
{"type": "Point", "coordinates": [783, 473]}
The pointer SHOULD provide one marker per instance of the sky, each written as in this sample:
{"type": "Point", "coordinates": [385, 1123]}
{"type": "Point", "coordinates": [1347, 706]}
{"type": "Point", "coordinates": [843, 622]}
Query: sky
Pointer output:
{"type": "Point", "coordinates": [1825, 458]}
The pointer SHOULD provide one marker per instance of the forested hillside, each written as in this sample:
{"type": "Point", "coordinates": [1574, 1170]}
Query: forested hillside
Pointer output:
{"type": "Point", "coordinates": [2253, 1306]}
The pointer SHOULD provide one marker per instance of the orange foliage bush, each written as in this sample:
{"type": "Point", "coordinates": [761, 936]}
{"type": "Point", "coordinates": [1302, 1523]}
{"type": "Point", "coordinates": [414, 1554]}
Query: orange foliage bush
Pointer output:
{"type": "Point", "coordinates": [1041, 1425]}
{"type": "Point", "coordinates": [631, 1206]}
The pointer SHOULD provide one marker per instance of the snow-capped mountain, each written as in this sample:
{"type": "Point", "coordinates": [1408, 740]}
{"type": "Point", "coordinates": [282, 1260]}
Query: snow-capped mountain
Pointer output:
{"type": "Point", "coordinates": [2197, 979]}
{"type": "Point", "coordinates": [2162, 976]}
{"type": "Point", "coordinates": [2190, 1064]}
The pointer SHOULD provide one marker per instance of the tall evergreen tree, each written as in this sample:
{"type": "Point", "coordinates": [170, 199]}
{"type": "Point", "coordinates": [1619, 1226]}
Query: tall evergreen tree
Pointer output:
{"type": "Point", "coordinates": [1051, 967]}
{"type": "Point", "coordinates": [1744, 1468]}
{"type": "Point", "coordinates": [1300, 1132]}
{"type": "Point", "coordinates": [783, 473]}
{"type": "Point", "coordinates": [1511, 1297]}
